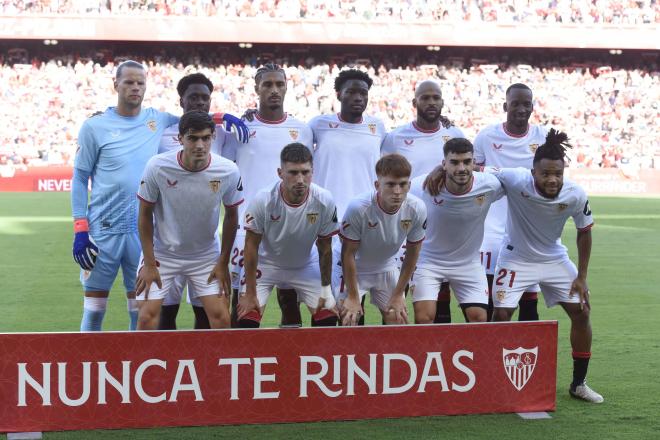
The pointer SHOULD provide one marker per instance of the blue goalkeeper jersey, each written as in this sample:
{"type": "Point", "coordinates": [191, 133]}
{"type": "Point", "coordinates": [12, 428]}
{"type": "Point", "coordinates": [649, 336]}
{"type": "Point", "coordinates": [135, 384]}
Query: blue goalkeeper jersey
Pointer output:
{"type": "Point", "coordinates": [114, 149]}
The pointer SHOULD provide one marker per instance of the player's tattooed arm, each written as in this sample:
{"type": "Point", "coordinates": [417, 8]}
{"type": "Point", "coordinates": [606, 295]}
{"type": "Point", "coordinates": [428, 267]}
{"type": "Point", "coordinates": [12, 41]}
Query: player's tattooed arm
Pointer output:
{"type": "Point", "coordinates": [579, 285]}
{"type": "Point", "coordinates": [434, 181]}
{"type": "Point", "coordinates": [351, 309]}
{"type": "Point", "coordinates": [249, 301]}
{"type": "Point", "coordinates": [148, 274]}
{"type": "Point", "coordinates": [324, 246]}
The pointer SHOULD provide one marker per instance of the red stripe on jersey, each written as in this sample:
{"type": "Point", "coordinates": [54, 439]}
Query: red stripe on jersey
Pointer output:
{"type": "Point", "coordinates": [145, 200]}
{"type": "Point", "coordinates": [235, 204]}
{"type": "Point", "coordinates": [517, 136]}
{"type": "Point", "coordinates": [178, 159]}
{"type": "Point", "coordinates": [383, 209]}
{"type": "Point", "coordinates": [423, 130]}
{"type": "Point", "coordinates": [333, 233]}
{"type": "Point", "coordinates": [349, 239]}
{"type": "Point", "coordinates": [408, 242]}
{"type": "Point", "coordinates": [586, 228]}
{"type": "Point", "coordinates": [291, 204]}
{"type": "Point", "coordinates": [267, 121]}
{"type": "Point", "coordinates": [460, 194]}
{"type": "Point", "coordinates": [358, 122]}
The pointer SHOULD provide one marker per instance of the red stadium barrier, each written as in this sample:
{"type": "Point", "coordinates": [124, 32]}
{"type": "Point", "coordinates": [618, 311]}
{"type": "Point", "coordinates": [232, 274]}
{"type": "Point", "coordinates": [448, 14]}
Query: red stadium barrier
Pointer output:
{"type": "Point", "coordinates": [66, 381]}
{"type": "Point", "coordinates": [38, 179]}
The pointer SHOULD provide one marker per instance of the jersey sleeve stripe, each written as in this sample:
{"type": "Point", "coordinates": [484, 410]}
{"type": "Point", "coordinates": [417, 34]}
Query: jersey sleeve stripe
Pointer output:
{"type": "Point", "coordinates": [586, 228]}
{"type": "Point", "coordinates": [145, 200]}
{"type": "Point", "coordinates": [235, 204]}
{"type": "Point", "coordinates": [254, 231]}
{"type": "Point", "coordinates": [349, 239]}
{"type": "Point", "coordinates": [415, 242]}
{"type": "Point", "coordinates": [330, 234]}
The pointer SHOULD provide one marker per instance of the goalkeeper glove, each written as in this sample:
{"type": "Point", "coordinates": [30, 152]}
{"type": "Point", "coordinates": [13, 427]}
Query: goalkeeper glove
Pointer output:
{"type": "Point", "coordinates": [232, 123]}
{"type": "Point", "coordinates": [84, 248]}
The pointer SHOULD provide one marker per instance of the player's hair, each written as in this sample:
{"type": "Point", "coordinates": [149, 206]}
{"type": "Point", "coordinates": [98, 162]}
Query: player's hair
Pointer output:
{"type": "Point", "coordinates": [457, 146]}
{"type": "Point", "coordinates": [296, 153]}
{"type": "Point", "coordinates": [554, 148]}
{"type": "Point", "coordinates": [195, 120]}
{"type": "Point", "coordinates": [267, 68]}
{"type": "Point", "coordinates": [127, 63]}
{"type": "Point", "coordinates": [393, 165]}
{"type": "Point", "coordinates": [519, 86]}
{"type": "Point", "coordinates": [347, 75]}
{"type": "Point", "coordinates": [193, 78]}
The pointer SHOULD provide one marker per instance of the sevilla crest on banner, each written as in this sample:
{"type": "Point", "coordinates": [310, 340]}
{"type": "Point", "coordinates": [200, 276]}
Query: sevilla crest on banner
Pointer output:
{"type": "Point", "coordinates": [519, 365]}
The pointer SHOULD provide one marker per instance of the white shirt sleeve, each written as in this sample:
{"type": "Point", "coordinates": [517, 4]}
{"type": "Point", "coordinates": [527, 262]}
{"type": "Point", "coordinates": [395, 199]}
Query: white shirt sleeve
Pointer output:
{"type": "Point", "coordinates": [234, 195]}
{"type": "Point", "coordinates": [582, 214]}
{"type": "Point", "coordinates": [351, 224]}
{"type": "Point", "coordinates": [418, 230]}
{"type": "Point", "coordinates": [148, 190]}
{"type": "Point", "coordinates": [255, 216]}
{"type": "Point", "coordinates": [329, 226]}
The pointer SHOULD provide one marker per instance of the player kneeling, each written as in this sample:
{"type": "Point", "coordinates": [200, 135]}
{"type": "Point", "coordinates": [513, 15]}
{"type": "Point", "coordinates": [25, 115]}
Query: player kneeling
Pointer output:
{"type": "Point", "coordinates": [283, 223]}
{"type": "Point", "coordinates": [374, 227]}
{"type": "Point", "coordinates": [182, 191]}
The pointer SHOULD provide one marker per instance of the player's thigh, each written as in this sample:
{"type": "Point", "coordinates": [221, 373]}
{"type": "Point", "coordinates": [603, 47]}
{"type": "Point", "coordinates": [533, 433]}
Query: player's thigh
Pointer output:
{"type": "Point", "coordinates": [511, 279]}
{"type": "Point", "coordinates": [469, 283]}
{"type": "Point", "coordinates": [489, 252]}
{"type": "Point", "coordinates": [168, 270]}
{"type": "Point", "coordinates": [307, 283]}
{"type": "Point", "coordinates": [382, 287]}
{"type": "Point", "coordinates": [268, 277]}
{"type": "Point", "coordinates": [196, 271]}
{"type": "Point", "coordinates": [108, 262]}
{"type": "Point", "coordinates": [130, 259]}
{"type": "Point", "coordinates": [556, 282]}
{"type": "Point", "coordinates": [236, 259]}
{"type": "Point", "coordinates": [424, 288]}
{"type": "Point", "coordinates": [215, 305]}
{"type": "Point", "coordinates": [176, 291]}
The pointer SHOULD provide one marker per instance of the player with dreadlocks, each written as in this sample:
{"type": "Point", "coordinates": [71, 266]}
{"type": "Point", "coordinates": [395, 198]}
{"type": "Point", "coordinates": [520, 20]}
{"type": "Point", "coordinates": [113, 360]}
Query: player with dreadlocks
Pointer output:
{"type": "Point", "coordinates": [347, 147]}
{"type": "Point", "coordinates": [271, 129]}
{"type": "Point", "coordinates": [539, 203]}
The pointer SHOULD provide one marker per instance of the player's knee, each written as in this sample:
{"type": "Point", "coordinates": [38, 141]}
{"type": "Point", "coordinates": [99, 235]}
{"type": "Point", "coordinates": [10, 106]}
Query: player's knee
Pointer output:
{"type": "Point", "coordinates": [577, 315]}
{"type": "Point", "coordinates": [475, 312]}
{"type": "Point", "coordinates": [502, 314]}
{"type": "Point", "coordinates": [424, 316]}
{"type": "Point", "coordinates": [324, 318]}
{"type": "Point", "coordinates": [250, 320]}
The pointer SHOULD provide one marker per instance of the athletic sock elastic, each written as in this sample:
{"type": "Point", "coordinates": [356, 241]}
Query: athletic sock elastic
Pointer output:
{"type": "Point", "coordinates": [528, 307]}
{"type": "Point", "coordinates": [324, 318]}
{"type": "Point", "coordinates": [580, 366]}
{"type": "Point", "coordinates": [132, 306]}
{"type": "Point", "coordinates": [93, 313]}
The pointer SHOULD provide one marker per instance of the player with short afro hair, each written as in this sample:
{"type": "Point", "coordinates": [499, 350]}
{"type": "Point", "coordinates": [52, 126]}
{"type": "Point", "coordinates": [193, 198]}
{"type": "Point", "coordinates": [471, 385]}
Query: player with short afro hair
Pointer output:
{"type": "Point", "coordinates": [347, 75]}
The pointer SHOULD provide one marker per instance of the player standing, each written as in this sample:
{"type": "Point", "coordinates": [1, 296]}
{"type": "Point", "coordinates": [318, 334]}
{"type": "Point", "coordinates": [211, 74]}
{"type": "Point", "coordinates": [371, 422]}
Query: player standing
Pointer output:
{"type": "Point", "coordinates": [540, 202]}
{"type": "Point", "coordinates": [421, 142]}
{"type": "Point", "coordinates": [455, 229]}
{"type": "Point", "coordinates": [270, 129]}
{"type": "Point", "coordinates": [283, 222]}
{"type": "Point", "coordinates": [180, 196]}
{"type": "Point", "coordinates": [346, 148]}
{"type": "Point", "coordinates": [508, 145]}
{"type": "Point", "coordinates": [373, 229]}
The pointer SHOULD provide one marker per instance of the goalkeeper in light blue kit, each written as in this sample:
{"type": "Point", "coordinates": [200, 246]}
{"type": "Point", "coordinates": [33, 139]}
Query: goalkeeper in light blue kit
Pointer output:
{"type": "Point", "coordinates": [113, 149]}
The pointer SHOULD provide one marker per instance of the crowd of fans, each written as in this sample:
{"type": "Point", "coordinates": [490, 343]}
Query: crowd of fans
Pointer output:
{"type": "Point", "coordinates": [629, 12]}
{"type": "Point", "coordinates": [610, 114]}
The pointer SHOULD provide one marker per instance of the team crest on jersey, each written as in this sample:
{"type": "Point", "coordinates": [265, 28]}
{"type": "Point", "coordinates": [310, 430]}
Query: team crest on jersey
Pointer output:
{"type": "Point", "coordinates": [152, 125]}
{"type": "Point", "coordinates": [524, 194]}
{"type": "Point", "coordinates": [214, 185]}
{"type": "Point", "coordinates": [372, 128]}
{"type": "Point", "coordinates": [275, 218]}
{"type": "Point", "coordinates": [562, 206]}
{"type": "Point", "coordinates": [406, 223]}
{"type": "Point", "coordinates": [497, 147]}
{"type": "Point", "coordinates": [312, 217]}
{"type": "Point", "coordinates": [519, 365]}
{"type": "Point", "coordinates": [446, 138]}
{"type": "Point", "coordinates": [333, 125]}
{"type": "Point", "coordinates": [372, 225]}
{"type": "Point", "coordinates": [171, 183]}
{"type": "Point", "coordinates": [533, 147]}
{"type": "Point", "coordinates": [438, 202]}
{"type": "Point", "coordinates": [480, 199]}
{"type": "Point", "coordinates": [248, 218]}
{"type": "Point", "coordinates": [408, 141]}
{"type": "Point", "coordinates": [294, 134]}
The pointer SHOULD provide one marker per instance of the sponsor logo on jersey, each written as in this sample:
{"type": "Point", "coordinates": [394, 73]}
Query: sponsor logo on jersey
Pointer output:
{"type": "Point", "coordinates": [151, 124]}
{"type": "Point", "coordinates": [438, 202]}
{"type": "Point", "coordinates": [372, 225]}
{"type": "Point", "coordinates": [171, 183]}
{"type": "Point", "coordinates": [519, 365]}
{"type": "Point", "coordinates": [239, 185]}
{"type": "Point", "coordinates": [253, 134]}
{"type": "Point", "coordinates": [406, 223]}
{"type": "Point", "coordinates": [275, 218]}
{"type": "Point", "coordinates": [312, 217]}
{"type": "Point", "coordinates": [214, 185]}
{"type": "Point", "coordinates": [562, 206]}
{"type": "Point", "coordinates": [248, 218]}
{"type": "Point", "coordinates": [424, 225]}
{"type": "Point", "coordinates": [334, 216]}
{"type": "Point", "coordinates": [372, 128]}
{"type": "Point", "coordinates": [533, 147]}
{"type": "Point", "coordinates": [333, 125]}
{"type": "Point", "coordinates": [497, 147]}
{"type": "Point", "coordinates": [480, 199]}
{"type": "Point", "coordinates": [446, 138]}
{"type": "Point", "coordinates": [175, 139]}
{"type": "Point", "coordinates": [408, 141]}
{"type": "Point", "coordinates": [500, 294]}
{"type": "Point", "coordinates": [294, 134]}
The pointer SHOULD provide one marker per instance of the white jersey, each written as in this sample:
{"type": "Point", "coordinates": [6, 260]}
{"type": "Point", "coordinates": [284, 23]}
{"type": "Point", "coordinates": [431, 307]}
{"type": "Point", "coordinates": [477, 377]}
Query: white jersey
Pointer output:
{"type": "Point", "coordinates": [187, 203]}
{"type": "Point", "coordinates": [455, 225]}
{"type": "Point", "coordinates": [495, 147]}
{"type": "Point", "coordinates": [422, 148]}
{"type": "Point", "coordinates": [259, 159]}
{"type": "Point", "coordinates": [345, 156]}
{"type": "Point", "coordinates": [535, 223]}
{"type": "Point", "coordinates": [170, 140]}
{"type": "Point", "coordinates": [380, 233]}
{"type": "Point", "coordinates": [289, 232]}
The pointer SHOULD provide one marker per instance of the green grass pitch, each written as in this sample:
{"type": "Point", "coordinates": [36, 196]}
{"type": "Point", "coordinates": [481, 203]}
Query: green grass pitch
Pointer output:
{"type": "Point", "coordinates": [40, 292]}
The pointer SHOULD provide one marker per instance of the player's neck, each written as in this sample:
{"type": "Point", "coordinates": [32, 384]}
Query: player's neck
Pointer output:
{"type": "Point", "coordinates": [292, 199]}
{"type": "Point", "coordinates": [425, 125]}
{"type": "Point", "coordinates": [514, 130]}
{"type": "Point", "coordinates": [351, 118]}
{"type": "Point", "coordinates": [190, 163]}
{"type": "Point", "coordinates": [127, 111]}
{"type": "Point", "coordinates": [456, 189]}
{"type": "Point", "coordinates": [271, 115]}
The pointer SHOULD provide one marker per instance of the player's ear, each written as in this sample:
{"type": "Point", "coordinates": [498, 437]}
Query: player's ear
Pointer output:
{"type": "Point", "coordinates": [115, 84]}
{"type": "Point", "coordinates": [377, 185]}
{"type": "Point", "coordinates": [181, 102]}
{"type": "Point", "coordinates": [414, 103]}
{"type": "Point", "coordinates": [180, 138]}
{"type": "Point", "coordinates": [504, 106]}
{"type": "Point", "coordinates": [443, 164]}
{"type": "Point", "coordinates": [280, 173]}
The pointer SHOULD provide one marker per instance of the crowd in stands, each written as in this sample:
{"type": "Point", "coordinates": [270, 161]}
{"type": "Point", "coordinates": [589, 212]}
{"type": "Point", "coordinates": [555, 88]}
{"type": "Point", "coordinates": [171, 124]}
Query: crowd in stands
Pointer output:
{"type": "Point", "coordinates": [610, 114]}
{"type": "Point", "coordinates": [628, 12]}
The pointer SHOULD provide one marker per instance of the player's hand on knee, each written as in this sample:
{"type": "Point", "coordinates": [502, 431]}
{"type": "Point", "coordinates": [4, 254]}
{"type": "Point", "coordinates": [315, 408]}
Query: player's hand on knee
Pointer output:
{"type": "Point", "coordinates": [579, 287]}
{"type": "Point", "coordinates": [246, 304]}
{"type": "Point", "coordinates": [146, 276]}
{"type": "Point", "coordinates": [434, 181]}
{"type": "Point", "coordinates": [351, 312]}
{"type": "Point", "coordinates": [84, 248]}
{"type": "Point", "coordinates": [397, 309]}
{"type": "Point", "coordinates": [221, 274]}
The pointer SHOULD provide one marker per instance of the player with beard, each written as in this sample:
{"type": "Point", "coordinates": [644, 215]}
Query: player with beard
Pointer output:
{"type": "Point", "coordinates": [507, 145]}
{"type": "Point", "coordinates": [421, 142]}
{"type": "Point", "coordinates": [346, 148]}
{"type": "Point", "coordinates": [271, 128]}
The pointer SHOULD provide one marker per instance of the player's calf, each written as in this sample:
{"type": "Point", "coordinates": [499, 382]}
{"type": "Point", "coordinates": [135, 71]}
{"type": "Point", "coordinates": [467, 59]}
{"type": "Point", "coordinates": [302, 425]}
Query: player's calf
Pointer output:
{"type": "Point", "coordinates": [528, 307]}
{"type": "Point", "coordinates": [288, 301]}
{"type": "Point", "coordinates": [168, 315]}
{"type": "Point", "coordinates": [201, 319]}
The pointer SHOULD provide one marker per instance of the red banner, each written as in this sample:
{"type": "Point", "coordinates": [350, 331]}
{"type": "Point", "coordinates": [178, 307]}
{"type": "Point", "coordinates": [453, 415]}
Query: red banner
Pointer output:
{"type": "Point", "coordinates": [63, 381]}
{"type": "Point", "coordinates": [37, 179]}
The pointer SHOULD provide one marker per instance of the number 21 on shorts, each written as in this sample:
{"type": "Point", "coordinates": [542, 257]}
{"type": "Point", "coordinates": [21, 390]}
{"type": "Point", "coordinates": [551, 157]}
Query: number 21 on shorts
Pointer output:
{"type": "Point", "coordinates": [502, 275]}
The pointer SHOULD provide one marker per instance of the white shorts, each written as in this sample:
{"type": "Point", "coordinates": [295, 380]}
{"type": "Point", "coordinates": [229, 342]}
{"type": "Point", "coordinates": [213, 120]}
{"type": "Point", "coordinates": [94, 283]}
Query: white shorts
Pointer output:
{"type": "Point", "coordinates": [175, 293]}
{"type": "Point", "coordinates": [467, 281]}
{"type": "Point", "coordinates": [192, 271]}
{"type": "Point", "coordinates": [513, 278]}
{"type": "Point", "coordinates": [306, 281]}
{"type": "Point", "coordinates": [490, 253]}
{"type": "Point", "coordinates": [379, 286]}
{"type": "Point", "coordinates": [236, 260]}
